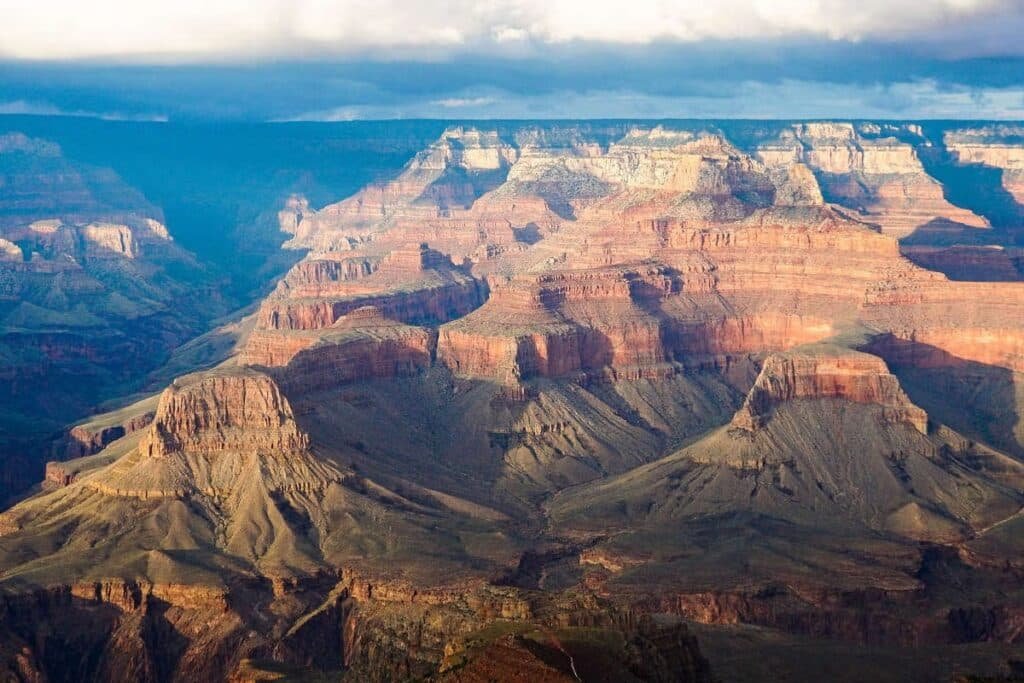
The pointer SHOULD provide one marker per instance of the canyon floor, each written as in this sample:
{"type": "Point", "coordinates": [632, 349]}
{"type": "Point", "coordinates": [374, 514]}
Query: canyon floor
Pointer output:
{"type": "Point", "coordinates": [599, 401]}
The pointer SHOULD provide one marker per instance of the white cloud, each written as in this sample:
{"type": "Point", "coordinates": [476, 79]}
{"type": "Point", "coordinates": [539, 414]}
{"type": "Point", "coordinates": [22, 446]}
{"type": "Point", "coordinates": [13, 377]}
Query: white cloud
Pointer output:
{"type": "Point", "coordinates": [196, 29]}
{"type": "Point", "coordinates": [461, 102]}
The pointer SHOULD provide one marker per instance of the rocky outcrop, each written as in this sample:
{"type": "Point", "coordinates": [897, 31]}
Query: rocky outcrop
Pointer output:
{"type": "Point", "coordinates": [554, 325]}
{"type": "Point", "coordinates": [155, 632]}
{"type": "Point", "coordinates": [362, 345]}
{"type": "Point", "coordinates": [857, 377]}
{"type": "Point", "coordinates": [223, 411]}
{"type": "Point", "coordinates": [1000, 147]}
{"type": "Point", "coordinates": [412, 285]}
{"type": "Point", "coordinates": [871, 171]}
{"type": "Point", "coordinates": [98, 433]}
{"type": "Point", "coordinates": [451, 173]}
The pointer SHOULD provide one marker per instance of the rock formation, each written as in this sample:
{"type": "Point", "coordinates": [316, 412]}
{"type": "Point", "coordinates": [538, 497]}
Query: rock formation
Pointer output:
{"type": "Point", "coordinates": [823, 374]}
{"type": "Point", "coordinates": [546, 383]}
{"type": "Point", "coordinates": [869, 458]}
{"type": "Point", "coordinates": [92, 295]}
{"type": "Point", "coordinates": [994, 146]}
{"type": "Point", "coordinates": [871, 171]}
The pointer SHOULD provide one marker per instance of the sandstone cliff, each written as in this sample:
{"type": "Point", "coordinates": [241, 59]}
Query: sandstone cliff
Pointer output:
{"type": "Point", "coordinates": [860, 378]}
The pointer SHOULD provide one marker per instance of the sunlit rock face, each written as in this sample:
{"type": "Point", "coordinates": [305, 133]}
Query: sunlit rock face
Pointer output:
{"type": "Point", "coordinates": [875, 172]}
{"type": "Point", "coordinates": [859, 378]}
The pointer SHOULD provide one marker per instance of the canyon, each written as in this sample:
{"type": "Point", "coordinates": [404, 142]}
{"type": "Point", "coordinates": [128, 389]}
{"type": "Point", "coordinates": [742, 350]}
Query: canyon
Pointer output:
{"type": "Point", "coordinates": [558, 399]}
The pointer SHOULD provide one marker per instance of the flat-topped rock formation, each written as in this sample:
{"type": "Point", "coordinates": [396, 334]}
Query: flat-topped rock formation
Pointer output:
{"type": "Point", "coordinates": [223, 411]}
{"type": "Point", "coordinates": [869, 459]}
{"type": "Point", "coordinates": [855, 377]}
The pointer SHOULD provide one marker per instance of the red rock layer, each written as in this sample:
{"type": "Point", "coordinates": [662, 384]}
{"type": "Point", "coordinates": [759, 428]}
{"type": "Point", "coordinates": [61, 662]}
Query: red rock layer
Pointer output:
{"type": "Point", "coordinates": [362, 345]}
{"type": "Point", "coordinates": [556, 324]}
{"type": "Point", "coordinates": [977, 321]}
{"type": "Point", "coordinates": [83, 440]}
{"type": "Point", "coordinates": [411, 285]}
{"type": "Point", "coordinates": [223, 411]}
{"type": "Point", "coordinates": [857, 377]}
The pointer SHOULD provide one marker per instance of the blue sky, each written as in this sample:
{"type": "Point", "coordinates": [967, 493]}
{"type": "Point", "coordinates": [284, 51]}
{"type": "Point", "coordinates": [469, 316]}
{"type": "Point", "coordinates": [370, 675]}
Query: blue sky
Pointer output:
{"type": "Point", "coordinates": [355, 59]}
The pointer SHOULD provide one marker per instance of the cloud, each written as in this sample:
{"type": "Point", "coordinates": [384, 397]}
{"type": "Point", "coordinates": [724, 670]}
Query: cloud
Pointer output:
{"type": "Point", "coordinates": [26, 108]}
{"type": "Point", "coordinates": [463, 102]}
{"type": "Point", "coordinates": [755, 100]}
{"type": "Point", "coordinates": [154, 30]}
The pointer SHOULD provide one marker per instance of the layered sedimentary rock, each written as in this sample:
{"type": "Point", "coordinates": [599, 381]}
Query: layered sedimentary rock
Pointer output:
{"type": "Point", "coordinates": [554, 325]}
{"type": "Point", "coordinates": [99, 432]}
{"type": "Point", "coordinates": [970, 321]}
{"type": "Point", "coordinates": [870, 170]}
{"type": "Point", "coordinates": [411, 284]}
{"type": "Point", "coordinates": [617, 370]}
{"type": "Point", "coordinates": [362, 345]}
{"type": "Point", "coordinates": [859, 378]}
{"type": "Point", "coordinates": [1000, 147]}
{"type": "Point", "coordinates": [209, 434]}
{"type": "Point", "coordinates": [868, 459]}
{"type": "Point", "coordinates": [223, 412]}
{"type": "Point", "coordinates": [449, 174]}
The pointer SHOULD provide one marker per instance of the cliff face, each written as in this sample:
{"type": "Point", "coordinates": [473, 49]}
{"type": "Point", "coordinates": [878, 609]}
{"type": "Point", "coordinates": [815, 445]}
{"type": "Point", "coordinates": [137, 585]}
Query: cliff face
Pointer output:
{"type": "Point", "coordinates": [410, 284]}
{"type": "Point", "coordinates": [872, 171]}
{"type": "Point", "coordinates": [859, 378]}
{"type": "Point", "coordinates": [451, 173]}
{"type": "Point", "coordinates": [362, 345]}
{"type": "Point", "coordinates": [222, 412]}
{"type": "Point", "coordinates": [996, 147]}
{"type": "Point", "coordinates": [153, 632]}
{"type": "Point", "coordinates": [556, 325]}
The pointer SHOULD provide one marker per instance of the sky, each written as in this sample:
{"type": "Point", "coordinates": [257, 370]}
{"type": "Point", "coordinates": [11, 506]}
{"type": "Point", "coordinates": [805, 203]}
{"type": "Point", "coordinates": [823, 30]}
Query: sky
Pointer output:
{"type": "Point", "coordinates": [331, 60]}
